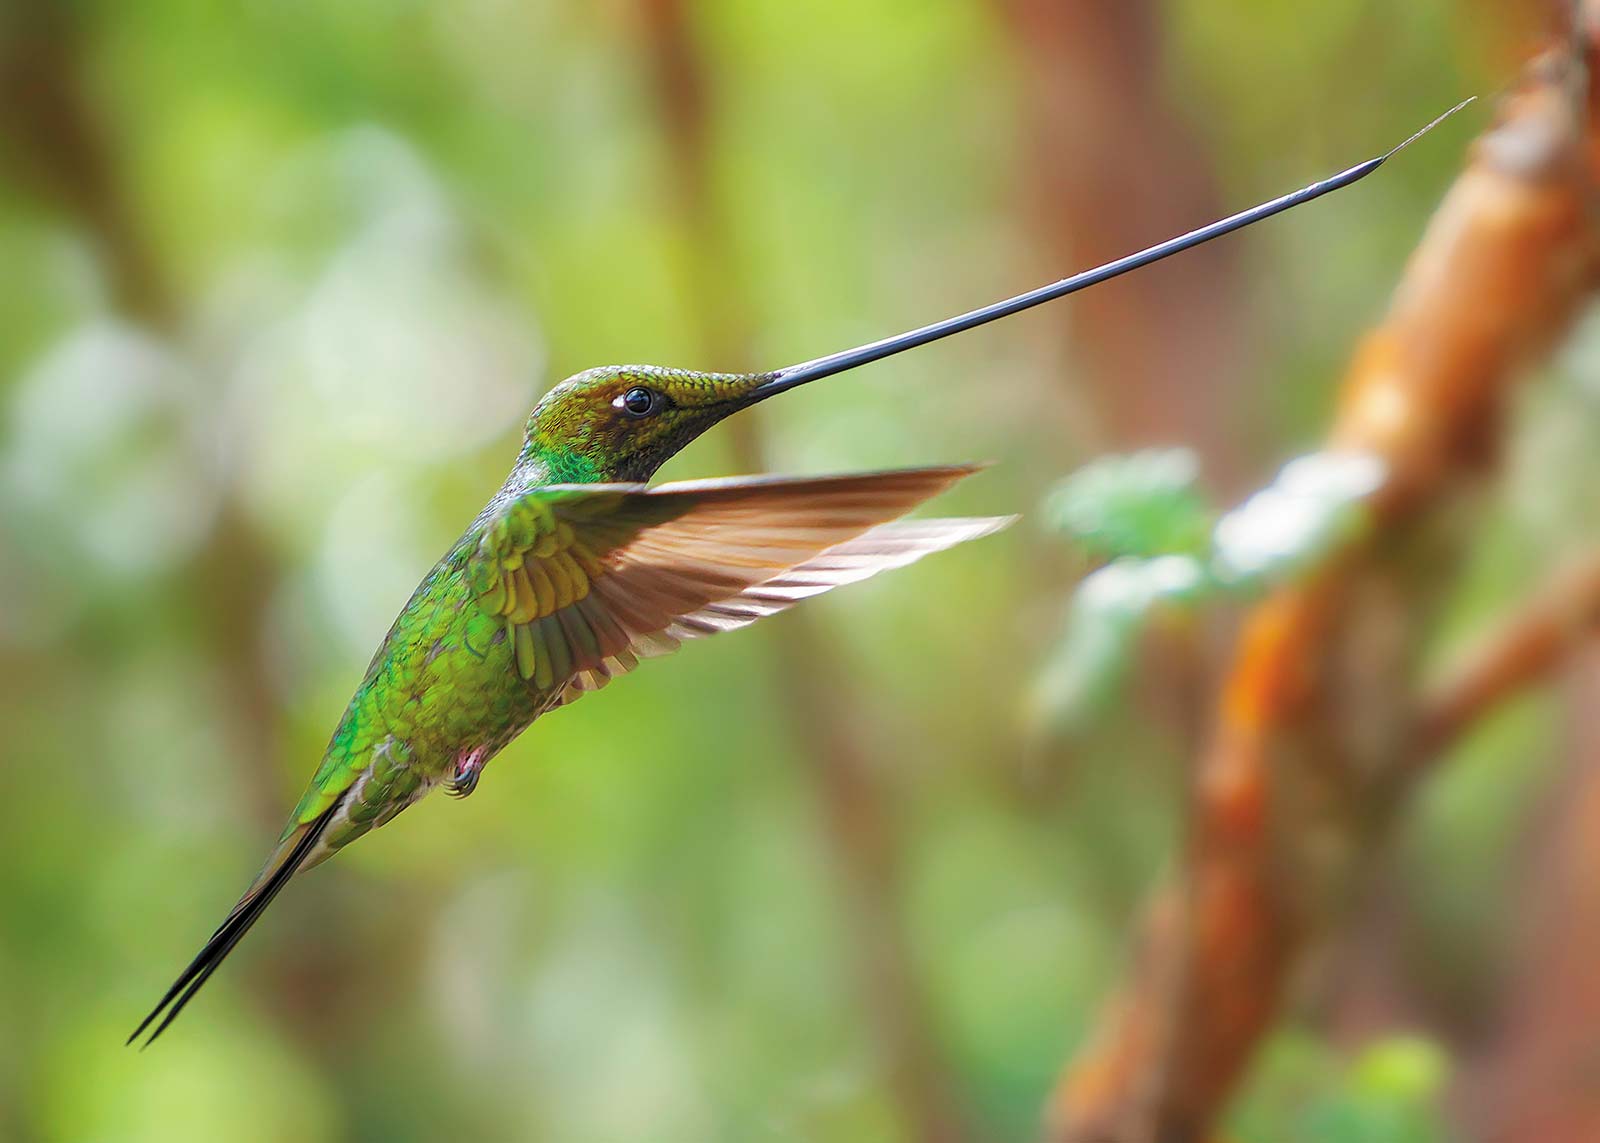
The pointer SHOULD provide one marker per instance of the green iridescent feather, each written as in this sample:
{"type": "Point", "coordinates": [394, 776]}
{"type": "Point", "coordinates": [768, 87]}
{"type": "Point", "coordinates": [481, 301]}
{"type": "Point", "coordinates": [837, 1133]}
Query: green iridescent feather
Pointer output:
{"type": "Point", "coordinates": [572, 573]}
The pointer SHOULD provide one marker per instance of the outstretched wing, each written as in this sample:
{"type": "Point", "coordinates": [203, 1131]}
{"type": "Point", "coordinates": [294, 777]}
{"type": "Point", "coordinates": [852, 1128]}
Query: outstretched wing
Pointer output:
{"type": "Point", "coordinates": [590, 578]}
{"type": "Point", "coordinates": [887, 546]}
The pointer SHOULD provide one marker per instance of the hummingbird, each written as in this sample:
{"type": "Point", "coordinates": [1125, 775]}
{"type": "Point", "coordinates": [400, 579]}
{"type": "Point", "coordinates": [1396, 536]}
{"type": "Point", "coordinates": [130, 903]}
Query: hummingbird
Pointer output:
{"type": "Point", "coordinates": [576, 569]}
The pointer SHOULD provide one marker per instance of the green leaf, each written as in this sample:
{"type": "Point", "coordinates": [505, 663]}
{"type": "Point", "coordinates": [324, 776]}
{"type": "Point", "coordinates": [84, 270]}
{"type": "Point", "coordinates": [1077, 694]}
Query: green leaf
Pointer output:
{"type": "Point", "coordinates": [1144, 512]}
{"type": "Point", "coordinates": [1142, 504]}
{"type": "Point", "coordinates": [1405, 1069]}
{"type": "Point", "coordinates": [1110, 610]}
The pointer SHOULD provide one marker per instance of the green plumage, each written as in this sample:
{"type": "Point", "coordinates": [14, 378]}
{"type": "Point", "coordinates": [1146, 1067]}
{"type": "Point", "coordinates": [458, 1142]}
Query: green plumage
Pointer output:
{"type": "Point", "coordinates": [571, 574]}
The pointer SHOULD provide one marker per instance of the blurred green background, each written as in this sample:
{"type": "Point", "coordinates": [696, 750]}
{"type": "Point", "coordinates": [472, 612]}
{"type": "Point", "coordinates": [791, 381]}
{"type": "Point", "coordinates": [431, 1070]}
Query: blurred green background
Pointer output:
{"type": "Point", "coordinates": [281, 281]}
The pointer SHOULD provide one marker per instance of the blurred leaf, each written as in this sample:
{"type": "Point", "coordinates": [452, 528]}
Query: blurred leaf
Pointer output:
{"type": "Point", "coordinates": [1144, 509]}
{"type": "Point", "coordinates": [1307, 1092]}
{"type": "Point", "coordinates": [1108, 612]}
{"type": "Point", "coordinates": [1142, 504]}
{"type": "Point", "coordinates": [1388, 1096]}
{"type": "Point", "coordinates": [1313, 505]}
{"type": "Point", "coordinates": [1405, 1068]}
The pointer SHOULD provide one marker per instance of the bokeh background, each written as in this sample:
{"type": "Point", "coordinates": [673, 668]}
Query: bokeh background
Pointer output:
{"type": "Point", "coordinates": [281, 282]}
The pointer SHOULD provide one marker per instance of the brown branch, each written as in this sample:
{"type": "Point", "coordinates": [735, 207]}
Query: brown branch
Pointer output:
{"type": "Point", "coordinates": [1315, 724]}
{"type": "Point", "coordinates": [1370, 988]}
{"type": "Point", "coordinates": [856, 807]}
{"type": "Point", "coordinates": [1524, 649]}
{"type": "Point", "coordinates": [1536, 1081]}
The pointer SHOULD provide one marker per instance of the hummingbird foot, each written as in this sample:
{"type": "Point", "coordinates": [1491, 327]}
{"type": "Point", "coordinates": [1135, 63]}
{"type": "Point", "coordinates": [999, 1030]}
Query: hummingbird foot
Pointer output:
{"type": "Point", "coordinates": [468, 768]}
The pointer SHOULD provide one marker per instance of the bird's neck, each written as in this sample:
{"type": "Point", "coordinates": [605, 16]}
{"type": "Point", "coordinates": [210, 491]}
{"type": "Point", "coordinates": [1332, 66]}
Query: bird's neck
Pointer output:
{"type": "Point", "coordinates": [538, 464]}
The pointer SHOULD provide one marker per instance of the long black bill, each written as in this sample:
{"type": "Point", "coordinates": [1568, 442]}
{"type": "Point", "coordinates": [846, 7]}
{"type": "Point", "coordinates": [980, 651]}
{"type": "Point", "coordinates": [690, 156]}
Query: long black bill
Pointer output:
{"type": "Point", "coordinates": [794, 375]}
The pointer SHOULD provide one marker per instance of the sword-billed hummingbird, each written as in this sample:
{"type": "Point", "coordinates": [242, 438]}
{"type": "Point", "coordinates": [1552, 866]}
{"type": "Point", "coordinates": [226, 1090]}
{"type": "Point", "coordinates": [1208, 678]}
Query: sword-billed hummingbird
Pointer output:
{"type": "Point", "coordinates": [575, 570]}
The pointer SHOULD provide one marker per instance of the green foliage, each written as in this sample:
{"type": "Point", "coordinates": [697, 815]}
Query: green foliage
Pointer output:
{"type": "Point", "coordinates": [1388, 1097]}
{"type": "Point", "coordinates": [1170, 555]}
{"type": "Point", "coordinates": [1143, 504]}
{"type": "Point", "coordinates": [1107, 613]}
{"type": "Point", "coordinates": [1304, 1092]}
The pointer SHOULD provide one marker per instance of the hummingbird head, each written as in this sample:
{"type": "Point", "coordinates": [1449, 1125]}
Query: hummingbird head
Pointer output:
{"type": "Point", "coordinates": [622, 422]}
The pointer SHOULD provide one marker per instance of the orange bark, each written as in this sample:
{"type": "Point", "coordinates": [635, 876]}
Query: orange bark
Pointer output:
{"type": "Point", "coordinates": [1318, 719]}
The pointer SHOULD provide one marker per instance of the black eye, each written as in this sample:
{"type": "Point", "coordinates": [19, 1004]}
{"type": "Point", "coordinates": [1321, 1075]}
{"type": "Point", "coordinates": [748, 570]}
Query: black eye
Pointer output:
{"type": "Point", "coordinates": [640, 402]}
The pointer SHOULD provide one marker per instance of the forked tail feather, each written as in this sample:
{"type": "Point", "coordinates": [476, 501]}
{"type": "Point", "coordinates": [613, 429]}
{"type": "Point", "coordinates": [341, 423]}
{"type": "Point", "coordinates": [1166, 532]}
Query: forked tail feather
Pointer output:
{"type": "Point", "coordinates": [238, 922]}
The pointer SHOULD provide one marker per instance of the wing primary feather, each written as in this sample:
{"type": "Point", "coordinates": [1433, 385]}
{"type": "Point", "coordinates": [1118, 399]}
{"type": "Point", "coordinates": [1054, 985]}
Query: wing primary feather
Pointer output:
{"type": "Point", "coordinates": [581, 639]}
{"type": "Point", "coordinates": [887, 546]}
{"type": "Point", "coordinates": [611, 636]}
{"type": "Point", "coordinates": [522, 646]}
{"type": "Point", "coordinates": [555, 642]}
{"type": "Point", "coordinates": [544, 675]}
{"type": "Point", "coordinates": [244, 915]}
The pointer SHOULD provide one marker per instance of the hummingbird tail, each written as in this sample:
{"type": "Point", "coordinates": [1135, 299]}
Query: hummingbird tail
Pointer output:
{"type": "Point", "coordinates": [282, 866]}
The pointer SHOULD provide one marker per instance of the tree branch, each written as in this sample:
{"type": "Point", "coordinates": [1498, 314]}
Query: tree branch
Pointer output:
{"type": "Point", "coordinates": [1522, 650]}
{"type": "Point", "coordinates": [1316, 723]}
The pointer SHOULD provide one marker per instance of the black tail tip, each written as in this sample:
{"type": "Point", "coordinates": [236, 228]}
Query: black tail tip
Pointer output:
{"type": "Point", "coordinates": [228, 934]}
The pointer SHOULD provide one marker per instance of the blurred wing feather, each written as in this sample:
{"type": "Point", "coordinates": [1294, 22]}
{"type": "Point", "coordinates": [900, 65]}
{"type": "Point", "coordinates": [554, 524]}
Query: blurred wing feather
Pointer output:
{"type": "Point", "coordinates": [887, 546]}
{"type": "Point", "coordinates": [589, 579]}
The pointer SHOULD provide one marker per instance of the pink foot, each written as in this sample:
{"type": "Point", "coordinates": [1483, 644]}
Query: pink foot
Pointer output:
{"type": "Point", "coordinates": [468, 766]}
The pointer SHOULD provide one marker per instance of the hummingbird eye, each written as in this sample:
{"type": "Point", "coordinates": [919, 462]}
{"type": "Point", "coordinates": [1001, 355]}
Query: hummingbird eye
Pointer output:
{"type": "Point", "coordinates": [640, 402]}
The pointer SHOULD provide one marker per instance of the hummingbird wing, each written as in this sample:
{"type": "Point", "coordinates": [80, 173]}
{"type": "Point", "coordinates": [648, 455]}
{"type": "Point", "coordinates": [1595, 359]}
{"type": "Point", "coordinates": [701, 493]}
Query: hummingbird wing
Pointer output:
{"type": "Point", "coordinates": [886, 546]}
{"type": "Point", "coordinates": [591, 578]}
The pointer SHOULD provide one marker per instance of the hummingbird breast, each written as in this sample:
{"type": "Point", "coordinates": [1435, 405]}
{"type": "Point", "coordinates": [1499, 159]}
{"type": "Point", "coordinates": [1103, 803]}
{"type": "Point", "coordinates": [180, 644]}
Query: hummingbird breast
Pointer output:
{"type": "Point", "coordinates": [443, 686]}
